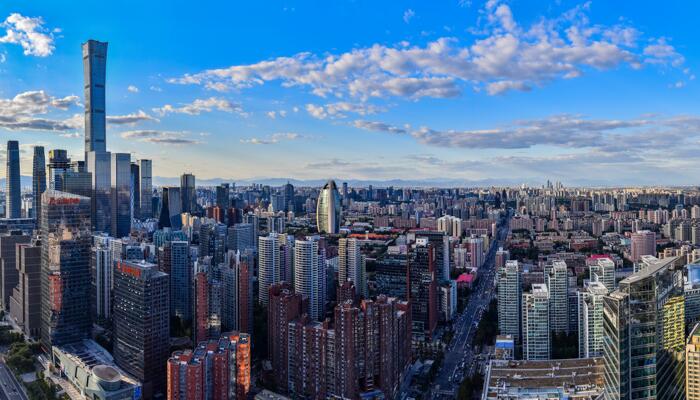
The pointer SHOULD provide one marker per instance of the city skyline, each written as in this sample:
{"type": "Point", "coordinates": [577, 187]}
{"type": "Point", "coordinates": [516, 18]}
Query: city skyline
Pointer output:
{"type": "Point", "coordinates": [461, 92]}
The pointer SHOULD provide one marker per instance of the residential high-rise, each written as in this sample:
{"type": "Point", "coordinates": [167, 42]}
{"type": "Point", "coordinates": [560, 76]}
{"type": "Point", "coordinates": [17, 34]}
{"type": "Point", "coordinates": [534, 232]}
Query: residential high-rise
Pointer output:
{"type": "Point", "coordinates": [643, 244]}
{"type": "Point", "coordinates": [556, 278]}
{"type": "Point", "coordinates": [536, 339]}
{"type": "Point", "coordinates": [309, 276]}
{"type": "Point", "coordinates": [590, 320]}
{"type": "Point", "coordinates": [65, 232]}
{"type": "Point", "coordinates": [121, 194]}
{"type": "Point", "coordinates": [13, 185]}
{"type": "Point", "coordinates": [509, 300]}
{"type": "Point", "coordinates": [644, 328]}
{"type": "Point", "coordinates": [351, 265]}
{"type": "Point", "coordinates": [237, 305]}
{"type": "Point", "coordinates": [188, 193]}
{"type": "Point", "coordinates": [142, 323]}
{"type": "Point", "coordinates": [476, 251]}
{"type": "Point", "coordinates": [38, 179]}
{"type": "Point", "coordinates": [284, 307]}
{"type": "Point", "coordinates": [216, 369]}
{"type": "Point", "coordinates": [181, 280]}
{"type": "Point", "coordinates": [692, 365]}
{"type": "Point", "coordinates": [95, 73]}
{"type": "Point", "coordinates": [25, 305]}
{"type": "Point", "coordinates": [441, 243]}
{"type": "Point", "coordinates": [328, 209]}
{"type": "Point", "coordinates": [146, 190]}
{"type": "Point", "coordinates": [9, 276]}
{"type": "Point", "coordinates": [268, 265]}
{"type": "Point", "coordinates": [603, 271]}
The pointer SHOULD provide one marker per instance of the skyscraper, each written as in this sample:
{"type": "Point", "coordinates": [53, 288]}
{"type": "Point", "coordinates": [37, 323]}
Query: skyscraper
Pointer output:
{"type": "Point", "coordinates": [66, 236]}
{"type": "Point", "coordinates": [95, 74]}
{"type": "Point", "coordinates": [188, 193]}
{"type": "Point", "coordinates": [222, 196]}
{"type": "Point", "coordinates": [643, 244]}
{"type": "Point", "coordinates": [13, 186]}
{"type": "Point", "coordinates": [59, 163]}
{"type": "Point", "coordinates": [121, 194]}
{"type": "Point", "coordinates": [603, 271]}
{"type": "Point", "coordinates": [423, 289]}
{"type": "Point", "coordinates": [692, 365]}
{"type": "Point", "coordinates": [181, 274]}
{"type": "Point", "coordinates": [141, 323]}
{"type": "Point", "coordinates": [284, 307]}
{"type": "Point", "coordinates": [268, 265]}
{"type": "Point", "coordinates": [25, 307]}
{"type": "Point", "coordinates": [509, 298]}
{"type": "Point", "coordinates": [309, 276]}
{"type": "Point", "coordinates": [146, 190]}
{"type": "Point", "coordinates": [329, 209]}
{"type": "Point", "coordinates": [9, 277]}
{"type": "Point", "coordinates": [99, 164]}
{"type": "Point", "coordinates": [351, 265]}
{"type": "Point", "coordinates": [643, 340]}
{"type": "Point", "coordinates": [536, 340]}
{"type": "Point", "coordinates": [135, 191]}
{"type": "Point", "coordinates": [38, 180]}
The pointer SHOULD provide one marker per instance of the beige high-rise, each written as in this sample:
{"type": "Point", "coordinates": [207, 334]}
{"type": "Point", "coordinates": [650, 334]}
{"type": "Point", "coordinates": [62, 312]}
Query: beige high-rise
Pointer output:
{"type": "Point", "coordinates": [692, 365]}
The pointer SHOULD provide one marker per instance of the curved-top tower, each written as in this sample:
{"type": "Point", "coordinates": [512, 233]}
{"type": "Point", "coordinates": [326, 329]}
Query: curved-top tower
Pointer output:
{"type": "Point", "coordinates": [328, 209]}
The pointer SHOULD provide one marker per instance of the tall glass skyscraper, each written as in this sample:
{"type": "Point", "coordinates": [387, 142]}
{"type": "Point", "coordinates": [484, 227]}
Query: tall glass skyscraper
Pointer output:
{"type": "Point", "coordinates": [121, 194]}
{"type": "Point", "coordinates": [99, 164]}
{"type": "Point", "coordinates": [38, 179]}
{"type": "Point", "coordinates": [146, 191]}
{"type": "Point", "coordinates": [66, 237]}
{"type": "Point", "coordinates": [328, 209]}
{"type": "Point", "coordinates": [13, 190]}
{"type": "Point", "coordinates": [94, 74]}
{"type": "Point", "coordinates": [188, 193]}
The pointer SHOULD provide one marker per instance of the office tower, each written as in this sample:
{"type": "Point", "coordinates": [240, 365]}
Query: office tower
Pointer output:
{"type": "Point", "coordinates": [441, 244]}
{"type": "Point", "coordinates": [309, 276]}
{"type": "Point", "coordinates": [8, 264]}
{"type": "Point", "coordinates": [643, 244]}
{"type": "Point", "coordinates": [288, 193]}
{"type": "Point", "coordinates": [351, 265]}
{"type": "Point", "coordinates": [13, 186]}
{"type": "Point", "coordinates": [181, 275]}
{"type": "Point", "coordinates": [188, 193]}
{"type": "Point", "coordinates": [201, 307]}
{"type": "Point", "coordinates": [476, 251]}
{"type": "Point", "coordinates": [99, 164]}
{"type": "Point", "coordinates": [59, 163]}
{"type": "Point", "coordinates": [121, 194]}
{"type": "Point", "coordinates": [25, 305]}
{"type": "Point", "coordinates": [146, 189]}
{"type": "Point", "coordinates": [66, 236]}
{"type": "Point", "coordinates": [643, 341]}
{"type": "Point", "coordinates": [692, 365]}
{"type": "Point", "coordinates": [101, 271]}
{"type": "Point", "coordinates": [536, 340]}
{"type": "Point", "coordinates": [328, 209]}
{"type": "Point", "coordinates": [691, 292]}
{"type": "Point", "coordinates": [135, 191]}
{"type": "Point", "coordinates": [423, 289]}
{"type": "Point", "coordinates": [237, 305]}
{"type": "Point", "coordinates": [254, 221]}
{"type": "Point", "coordinates": [141, 323]}
{"type": "Point", "coordinates": [603, 271]}
{"type": "Point", "coordinates": [212, 242]}
{"type": "Point", "coordinates": [509, 297]}
{"type": "Point", "coordinates": [95, 71]}
{"type": "Point", "coordinates": [284, 307]}
{"type": "Point", "coordinates": [590, 316]}
{"type": "Point", "coordinates": [222, 196]}
{"type": "Point", "coordinates": [556, 277]}
{"type": "Point", "coordinates": [268, 265]}
{"type": "Point", "coordinates": [217, 369]}
{"type": "Point", "coordinates": [240, 237]}
{"type": "Point", "coordinates": [38, 179]}
{"type": "Point", "coordinates": [170, 208]}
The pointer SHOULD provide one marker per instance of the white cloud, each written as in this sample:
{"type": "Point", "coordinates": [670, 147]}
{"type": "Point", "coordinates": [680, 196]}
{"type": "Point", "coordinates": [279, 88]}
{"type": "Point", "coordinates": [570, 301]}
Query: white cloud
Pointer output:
{"type": "Point", "coordinates": [273, 139]}
{"type": "Point", "coordinates": [160, 137]}
{"type": "Point", "coordinates": [132, 118]}
{"type": "Point", "coordinates": [339, 109]}
{"type": "Point", "coordinates": [199, 106]}
{"type": "Point", "coordinates": [132, 89]}
{"type": "Point", "coordinates": [30, 33]}
{"type": "Point", "coordinates": [24, 111]}
{"type": "Point", "coordinates": [408, 15]}
{"type": "Point", "coordinates": [501, 55]}
{"type": "Point", "coordinates": [155, 89]}
{"type": "Point", "coordinates": [271, 114]}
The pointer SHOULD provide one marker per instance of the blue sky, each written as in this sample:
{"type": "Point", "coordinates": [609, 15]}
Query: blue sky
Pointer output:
{"type": "Point", "coordinates": [583, 92]}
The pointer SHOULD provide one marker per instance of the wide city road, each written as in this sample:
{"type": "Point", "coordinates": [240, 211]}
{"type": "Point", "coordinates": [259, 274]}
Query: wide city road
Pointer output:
{"type": "Point", "coordinates": [10, 389]}
{"type": "Point", "coordinates": [459, 355]}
